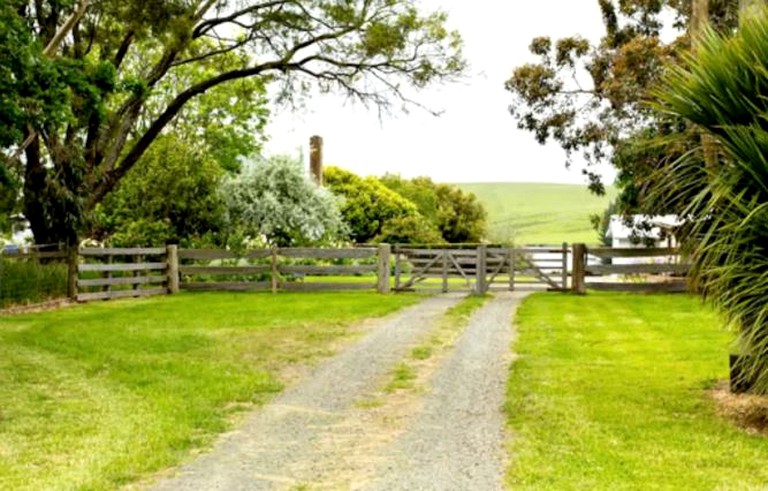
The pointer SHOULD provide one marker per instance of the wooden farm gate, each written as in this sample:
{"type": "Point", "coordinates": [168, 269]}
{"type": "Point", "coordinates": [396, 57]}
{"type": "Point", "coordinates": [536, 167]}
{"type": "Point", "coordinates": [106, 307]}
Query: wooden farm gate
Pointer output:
{"type": "Point", "coordinates": [480, 269]}
{"type": "Point", "coordinates": [529, 268]}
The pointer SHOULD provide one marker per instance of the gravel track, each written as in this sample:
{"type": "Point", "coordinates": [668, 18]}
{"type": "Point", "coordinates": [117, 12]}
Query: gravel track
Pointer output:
{"type": "Point", "coordinates": [456, 442]}
{"type": "Point", "coordinates": [258, 454]}
{"type": "Point", "coordinates": [316, 435]}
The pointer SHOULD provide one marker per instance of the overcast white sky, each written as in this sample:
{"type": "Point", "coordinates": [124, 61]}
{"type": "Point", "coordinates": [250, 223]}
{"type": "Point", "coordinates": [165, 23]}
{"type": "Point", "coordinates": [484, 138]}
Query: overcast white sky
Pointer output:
{"type": "Point", "coordinates": [475, 140]}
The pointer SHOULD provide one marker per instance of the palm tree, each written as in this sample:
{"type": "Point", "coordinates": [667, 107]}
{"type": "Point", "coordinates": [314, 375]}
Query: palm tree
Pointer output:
{"type": "Point", "coordinates": [723, 89]}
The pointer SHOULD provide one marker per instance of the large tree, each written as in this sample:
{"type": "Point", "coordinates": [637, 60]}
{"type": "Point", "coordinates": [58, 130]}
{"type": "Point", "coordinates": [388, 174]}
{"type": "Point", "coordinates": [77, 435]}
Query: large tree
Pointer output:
{"type": "Point", "coordinates": [593, 100]}
{"type": "Point", "coordinates": [108, 77]}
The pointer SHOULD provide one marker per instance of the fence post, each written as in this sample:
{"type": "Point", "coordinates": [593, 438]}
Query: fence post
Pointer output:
{"type": "Point", "coordinates": [172, 258]}
{"type": "Point", "coordinates": [480, 271]}
{"type": "Point", "coordinates": [273, 270]}
{"type": "Point", "coordinates": [72, 260]}
{"type": "Point", "coordinates": [565, 266]}
{"type": "Point", "coordinates": [385, 251]}
{"type": "Point", "coordinates": [512, 258]}
{"type": "Point", "coordinates": [397, 268]}
{"type": "Point", "coordinates": [578, 284]}
{"type": "Point", "coordinates": [445, 271]}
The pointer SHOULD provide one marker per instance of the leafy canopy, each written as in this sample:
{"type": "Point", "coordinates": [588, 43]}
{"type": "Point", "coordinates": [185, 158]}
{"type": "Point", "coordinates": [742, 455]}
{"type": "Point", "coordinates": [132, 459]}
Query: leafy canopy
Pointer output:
{"type": "Point", "coordinates": [375, 213]}
{"type": "Point", "coordinates": [125, 70]}
{"type": "Point", "coordinates": [458, 216]}
{"type": "Point", "coordinates": [172, 197]}
{"type": "Point", "coordinates": [593, 99]}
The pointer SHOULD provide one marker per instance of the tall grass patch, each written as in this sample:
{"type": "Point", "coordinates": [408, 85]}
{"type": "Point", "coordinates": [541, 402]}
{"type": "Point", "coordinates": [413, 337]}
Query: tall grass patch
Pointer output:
{"type": "Point", "coordinates": [26, 281]}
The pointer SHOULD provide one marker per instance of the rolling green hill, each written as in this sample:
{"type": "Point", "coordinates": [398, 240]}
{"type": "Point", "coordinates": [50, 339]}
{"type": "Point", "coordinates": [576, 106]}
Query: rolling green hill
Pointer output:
{"type": "Point", "coordinates": [534, 213]}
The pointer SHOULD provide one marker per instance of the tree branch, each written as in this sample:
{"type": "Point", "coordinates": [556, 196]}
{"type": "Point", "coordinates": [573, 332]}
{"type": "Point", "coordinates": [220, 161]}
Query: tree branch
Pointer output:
{"type": "Point", "coordinates": [209, 24]}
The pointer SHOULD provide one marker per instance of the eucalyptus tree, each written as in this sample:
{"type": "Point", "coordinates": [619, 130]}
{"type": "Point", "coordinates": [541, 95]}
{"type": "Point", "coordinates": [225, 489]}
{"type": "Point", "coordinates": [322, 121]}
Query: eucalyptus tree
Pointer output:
{"type": "Point", "coordinates": [101, 99]}
{"type": "Point", "coordinates": [593, 99]}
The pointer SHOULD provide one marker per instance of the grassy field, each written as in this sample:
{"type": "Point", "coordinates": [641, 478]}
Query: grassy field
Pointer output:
{"type": "Point", "coordinates": [548, 214]}
{"type": "Point", "coordinates": [95, 396]}
{"type": "Point", "coordinates": [611, 392]}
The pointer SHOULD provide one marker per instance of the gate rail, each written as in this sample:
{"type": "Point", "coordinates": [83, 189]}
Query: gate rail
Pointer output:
{"type": "Point", "coordinates": [480, 269]}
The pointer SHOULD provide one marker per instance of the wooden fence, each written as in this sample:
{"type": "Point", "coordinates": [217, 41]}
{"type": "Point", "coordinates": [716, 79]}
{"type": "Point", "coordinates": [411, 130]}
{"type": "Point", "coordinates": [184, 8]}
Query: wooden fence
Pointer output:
{"type": "Point", "coordinates": [638, 269]}
{"type": "Point", "coordinates": [107, 273]}
{"type": "Point", "coordinates": [286, 269]}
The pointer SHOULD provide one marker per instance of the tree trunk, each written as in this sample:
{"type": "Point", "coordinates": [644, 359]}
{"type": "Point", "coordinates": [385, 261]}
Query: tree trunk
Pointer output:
{"type": "Point", "coordinates": [52, 213]}
{"type": "Point", "coordinates": [699, 21]}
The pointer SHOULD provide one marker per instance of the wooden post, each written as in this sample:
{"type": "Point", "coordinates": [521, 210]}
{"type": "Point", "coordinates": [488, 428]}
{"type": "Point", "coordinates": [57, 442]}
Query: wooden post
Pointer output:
{"type": "Point", "coordinates": [445, 270]}
{"type": "Point", "coordinates": [273, 270]}
{"type": "Point", "coordinates": [480, 273]}
{"type": "Point", "coordinates": [578, 282]}
{"type": "Point", "coordinates": [107, 275]}
{"type": "Point", "coordinates": [316, 159]}
{"type": "Point", "coordinates": [72, 273]}
{"type": "Point", "coordinates": [397, 269]}
{"type": "Point", "coordinates": [385, 251]}
{"type": "Point", "coordinates": [138, 259]}
{"type": "Point", "coordinates": [172, 258]}
{"type": "Point", "coordinates": [512, 265]}
{"type": "Point", "coordinates": [565, 266]}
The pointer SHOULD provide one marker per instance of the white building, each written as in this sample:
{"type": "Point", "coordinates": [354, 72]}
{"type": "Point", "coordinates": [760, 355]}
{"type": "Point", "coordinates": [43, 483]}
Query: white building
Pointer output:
{"type": "Point", "coordinates": [636, 235]}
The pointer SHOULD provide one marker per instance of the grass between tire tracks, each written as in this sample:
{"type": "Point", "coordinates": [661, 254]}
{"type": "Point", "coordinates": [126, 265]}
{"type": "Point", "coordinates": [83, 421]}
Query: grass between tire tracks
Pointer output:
{"type": "Point", "coordinates": [97, 396]}
{"type": "Point", "coordinates": [448, 329]}
{"type": "Point", "coordinates": [611, 391]}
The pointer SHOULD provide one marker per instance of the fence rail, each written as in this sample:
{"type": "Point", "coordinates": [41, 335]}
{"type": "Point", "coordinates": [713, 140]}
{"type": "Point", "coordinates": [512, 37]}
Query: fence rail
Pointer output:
{"type": "Point", "coordinates": [630, 269]}
{"type": "Point", "coordinates": [285, 269]}
{"type": "Point", "coordinates": [110, 273]}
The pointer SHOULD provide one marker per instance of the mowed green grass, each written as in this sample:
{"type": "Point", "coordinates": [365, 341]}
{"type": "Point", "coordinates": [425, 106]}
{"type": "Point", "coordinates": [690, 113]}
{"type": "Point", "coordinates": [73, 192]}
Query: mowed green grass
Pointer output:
{"type": "Point", "coordinates": [534, 213]}
{"type": "Point", "coordinates": [95, 396]}
{"type": "Point", "coordinates": [611, 392]}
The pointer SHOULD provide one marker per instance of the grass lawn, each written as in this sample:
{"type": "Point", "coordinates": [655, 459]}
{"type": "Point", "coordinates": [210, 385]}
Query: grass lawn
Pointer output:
{"type": "Point", "coordinates": [95, 396]}
{"type": "Point", "coordinates": [611, 392]}
{"type": "Point", "coordinates": [535, 213]}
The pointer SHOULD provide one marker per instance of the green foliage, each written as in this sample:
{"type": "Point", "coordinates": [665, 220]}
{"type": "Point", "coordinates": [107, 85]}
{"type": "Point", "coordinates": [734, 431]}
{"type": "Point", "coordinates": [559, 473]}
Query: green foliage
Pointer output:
{"type": "Point", "coordinates": [458, 215]}
{"type": "Point", "coordinates": [411, 229]}
{"type": "Point", "coordinates": [593, 99]}
{"type": "Point", "coordinates": [226, 121]}
{"type": "Point", "coordinates": [32, 91]}
{"type": "Point", "coordinates": [171, 198]}
{"type": "Point", "coordinates": [102, 395]}
{"type": "Point", "coordinates": [601, 223]}
{"type": "Point", "coordinates": [610, 391]}
{"type": "Point", "coordinates": [128, 72]}
{"type": "Point", "coordinates": [275, 201]}
{"type": "Point", "coordinates": [461, 217]}
{"type": "Point", "coordinates": [375, 213]}
{"type": "Point", "coordinates": [723, 90]}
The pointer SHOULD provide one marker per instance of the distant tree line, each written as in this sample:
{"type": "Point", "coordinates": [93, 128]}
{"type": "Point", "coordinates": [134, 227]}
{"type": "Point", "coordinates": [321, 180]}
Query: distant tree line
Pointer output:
{"type": "Point", "coordinates": [182, 195]}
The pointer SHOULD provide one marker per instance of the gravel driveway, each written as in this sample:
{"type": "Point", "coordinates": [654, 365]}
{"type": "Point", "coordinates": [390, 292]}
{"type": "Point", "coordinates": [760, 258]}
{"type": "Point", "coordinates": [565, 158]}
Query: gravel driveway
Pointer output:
{"type": "Point", "coordinates": [323, 434]}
